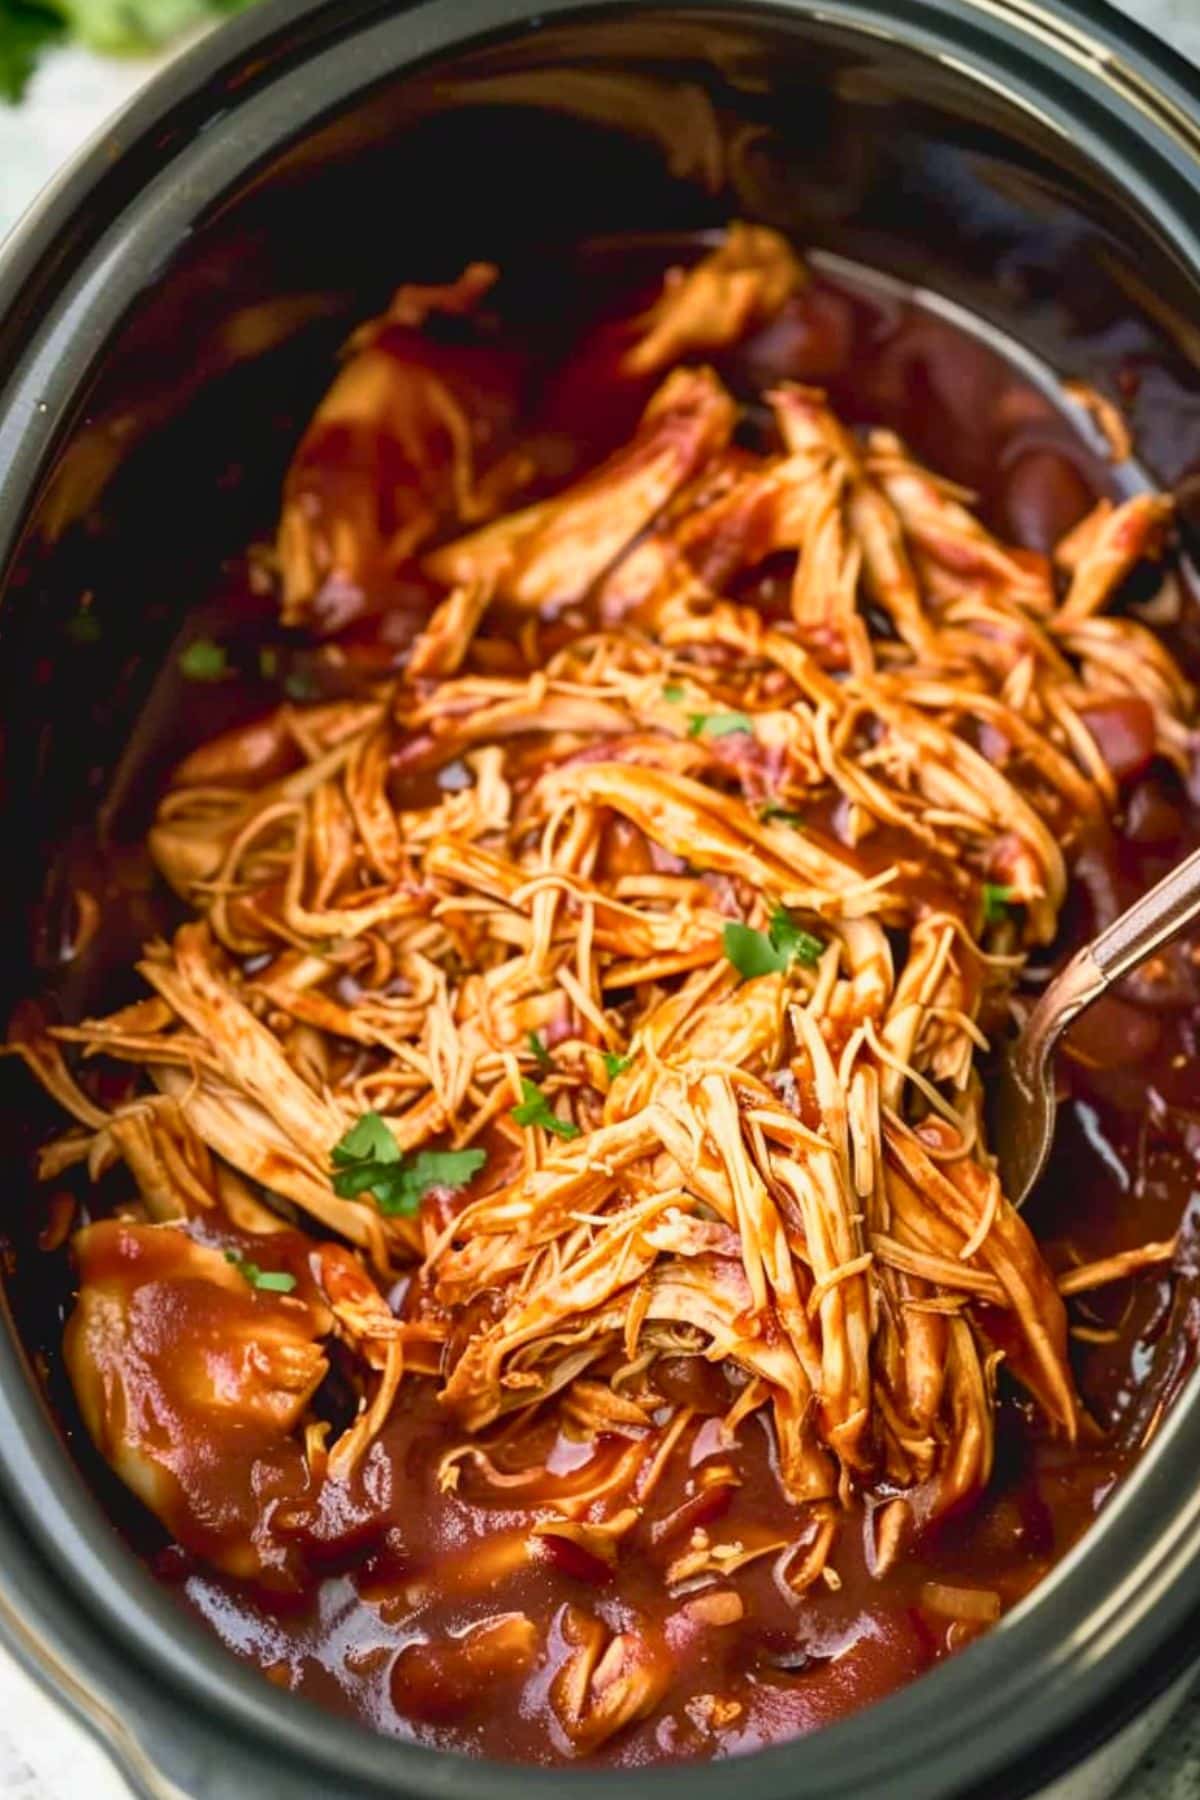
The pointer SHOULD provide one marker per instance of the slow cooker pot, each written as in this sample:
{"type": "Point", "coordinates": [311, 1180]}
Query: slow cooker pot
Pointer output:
{"type": "Point", "coordinates": [167, 318]}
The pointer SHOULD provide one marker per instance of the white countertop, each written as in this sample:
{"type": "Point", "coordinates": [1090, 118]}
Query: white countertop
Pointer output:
{"type": "Point", "coordinates": [43, 1755]}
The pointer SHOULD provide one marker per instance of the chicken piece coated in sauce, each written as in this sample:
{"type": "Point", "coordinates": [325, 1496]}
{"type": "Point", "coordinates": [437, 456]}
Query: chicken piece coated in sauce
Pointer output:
{"type": "Point", "coordinates": [193, 1383]}
{"type": "Point", "coordinates": [551, 553]}
{"type": "Point", "coordinates": [741, 284]}
{"type": "Point", "coordinates": [409, 438]}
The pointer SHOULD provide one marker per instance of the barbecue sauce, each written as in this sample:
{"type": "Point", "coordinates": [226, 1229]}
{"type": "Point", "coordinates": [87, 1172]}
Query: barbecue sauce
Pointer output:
{"type": "Point", "coordinates": [392, 1618]}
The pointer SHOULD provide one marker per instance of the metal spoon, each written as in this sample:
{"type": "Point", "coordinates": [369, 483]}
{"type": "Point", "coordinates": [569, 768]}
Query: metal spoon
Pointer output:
{"type": "Point", "coordinates": [1021, 1098]}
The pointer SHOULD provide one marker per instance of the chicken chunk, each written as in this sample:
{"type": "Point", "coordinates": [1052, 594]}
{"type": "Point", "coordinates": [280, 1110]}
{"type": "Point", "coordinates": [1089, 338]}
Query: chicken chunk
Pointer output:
{"type": "Point", "coordinates": [192, 1383]}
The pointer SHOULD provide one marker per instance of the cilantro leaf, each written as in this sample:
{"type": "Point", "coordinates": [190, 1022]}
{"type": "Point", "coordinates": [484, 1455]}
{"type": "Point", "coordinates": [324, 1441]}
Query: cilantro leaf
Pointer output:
{"type": "Point", "coordinates": [615, 1065]}
{"type": "Point", "coordinates": [792, 939]}
{"type": "Point", "coordinates": [370, 1137]}
{"type": "Point", "coordinates": [204, 660]}
{"type": "Point", "coordinates": [751, 952]}
{"type": "Point", "coordinates": [405, 1184]}
{"type": "Point", "coordinates": [446, 1168]}
{"type": "Point", "coordinates": [539, 1052]}
{"type": "Point", "coordinates": [996, 900]}
{"type": "Point", "coordinates": [268, 1281]}
{"type": "Point", "coordinates": [397, 1188]}
{"type": "Point", "coordinates": [535, 1109]}
{"type": "Point", "coordinates": [719, 724]}
{"type": "Point", "coordinates": [674, 692]}
{"type": "Point", "coordinates": [771, 812]}
{"type": "Point", "coordinates": [368, 1160]}
{"type": "Point", "coordinates": [769, 952]}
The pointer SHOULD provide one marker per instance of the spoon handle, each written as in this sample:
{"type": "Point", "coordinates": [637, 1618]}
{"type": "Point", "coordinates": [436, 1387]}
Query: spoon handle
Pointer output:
{"type": "Point", "coordinates": [1150, 922]}
{"type": "Point", "coordinates": [1022, 1104]}
{"type": "Point", "coordinates": [1143, 928]}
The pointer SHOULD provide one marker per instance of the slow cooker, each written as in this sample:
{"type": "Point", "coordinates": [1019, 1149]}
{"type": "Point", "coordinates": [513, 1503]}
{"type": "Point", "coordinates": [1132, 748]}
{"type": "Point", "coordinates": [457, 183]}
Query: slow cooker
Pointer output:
{"type": "Point", "coordinates": [167, 315]}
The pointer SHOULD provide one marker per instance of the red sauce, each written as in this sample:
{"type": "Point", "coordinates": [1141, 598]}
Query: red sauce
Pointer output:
{"type": "Point", "coordinates": [441, 1563]}
{"type": "Point", "coordinates": [394, 1606]}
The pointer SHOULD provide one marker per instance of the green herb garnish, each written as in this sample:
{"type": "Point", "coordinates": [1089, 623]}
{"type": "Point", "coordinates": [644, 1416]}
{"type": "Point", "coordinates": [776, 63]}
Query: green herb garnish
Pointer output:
{"type": "Point", "coordinates": [268, 662]}
{"type": "Point", "coordinates": [769, 952]}
{"type": "Point", "coordinates": [539, 1053]}
{"type": "Point", "coordinates": [368, 1160]}
{"type": "Point", "coordinates": [615, 1065]}
{"type": "Point", "coordinates": [300, 684]}
{"type": "Point", "coordinates": [996, 901]}
{"type": "Point", "coordinates": [674, 692]}
{"type": "Point", "coordinates": [371, 1139]}
{"type": "Point", "coordinates": [268, 1281]}
{"type": "Point", "coordinates": [771, 813]}
{"type": "Point", "coordinates": [718, 724]}
{"type": "Point", "coordinates": [535, 1109]}
{"type": "Point", "coordinates": [83, 627]}
{"type": "Point", "coordinates": [792, 939]}
{"type": "Point", "coordinates": [204, 660]}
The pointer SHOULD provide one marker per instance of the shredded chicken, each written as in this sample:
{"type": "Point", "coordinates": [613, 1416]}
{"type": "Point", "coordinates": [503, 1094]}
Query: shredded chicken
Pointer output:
{"type": "Point", "coordinates": [742, 283]}
{"type": "Point", "coordinates": [695, 951]}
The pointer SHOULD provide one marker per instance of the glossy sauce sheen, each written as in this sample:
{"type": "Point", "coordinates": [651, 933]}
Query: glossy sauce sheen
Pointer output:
{"type": "Point", "coordinates": [407, 1569]}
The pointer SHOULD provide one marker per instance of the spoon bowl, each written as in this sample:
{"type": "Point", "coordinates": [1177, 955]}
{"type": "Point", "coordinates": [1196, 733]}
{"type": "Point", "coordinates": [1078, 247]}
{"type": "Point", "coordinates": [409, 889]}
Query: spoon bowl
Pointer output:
{"type": "Point", "coordinates": [1022, 1101]}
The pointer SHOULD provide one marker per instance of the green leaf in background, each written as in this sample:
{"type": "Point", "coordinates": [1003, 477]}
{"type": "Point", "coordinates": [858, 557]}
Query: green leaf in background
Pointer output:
{"type": "Point", "coordinates": [115, 27]}
{"type": "Point", "coordinates": [123, 26]}
{"type": "Point", "coordinates": [25, 31]}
